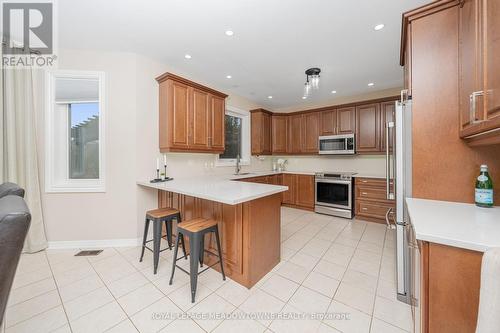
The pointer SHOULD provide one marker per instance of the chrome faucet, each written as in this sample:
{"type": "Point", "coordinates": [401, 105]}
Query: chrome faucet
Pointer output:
{"type": "Point", "coordinates": [238, 165]}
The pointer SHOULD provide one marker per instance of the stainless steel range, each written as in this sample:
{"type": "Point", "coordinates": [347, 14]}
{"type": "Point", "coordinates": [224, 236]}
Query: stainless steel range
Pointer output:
{"type": "Point", "coordinates": [334, 193]}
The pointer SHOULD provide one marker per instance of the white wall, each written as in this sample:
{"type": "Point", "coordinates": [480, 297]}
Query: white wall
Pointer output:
{"type": "Point", "coordinates": [367, 165]}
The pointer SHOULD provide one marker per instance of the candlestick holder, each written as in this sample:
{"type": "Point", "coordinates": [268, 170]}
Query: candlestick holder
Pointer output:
{"type": "Point", "coordinates": [165, 171]}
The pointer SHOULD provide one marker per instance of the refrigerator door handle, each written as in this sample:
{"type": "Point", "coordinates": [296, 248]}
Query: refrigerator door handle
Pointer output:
{"type": "Point", "coordinates": [389, 195]}
{"type": "Point", "coordinates": [387, 214]}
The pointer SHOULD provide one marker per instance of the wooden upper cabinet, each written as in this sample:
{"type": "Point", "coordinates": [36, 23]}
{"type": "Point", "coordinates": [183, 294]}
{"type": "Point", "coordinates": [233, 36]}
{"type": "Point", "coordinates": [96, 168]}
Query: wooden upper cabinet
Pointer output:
{"type": "Point", "coordinates": [261, 132]}
{"type": "Point", "coordinates": [178, 121]}
{"type": "Point", "coordinates": [492, 59]}
{"type": "Point", "coordinates": [479, 65]}
{"type": "Point", "coordinates": [470, 63]}
{"type": "Point", "coordinates": [305, 191]}
{"type": "Point", "coordinates": [346, 120]}
{"type": "Point", "coordinates": [295, 134]}
{"type": "Point", "coordinates": [387, 110]}
{"type": "Point", "coordinates": [200, 121]}
{"type": "Point", "coordinates": [328, 122]}
{"type": "Point", "coordinates": [278, 133]}
{"type": "Point", "coordinates": [407, 60]}
{"type": "Point", "coordinates": [191, 116]}
{"type": "Point", "coordinates": [368, 128]}
{"type": "Point", "coordinates": [338, 121]}
{"type": "Point", "coordinates": [217, 117]}
{"type": "Point", "coordinates": [311, 132]}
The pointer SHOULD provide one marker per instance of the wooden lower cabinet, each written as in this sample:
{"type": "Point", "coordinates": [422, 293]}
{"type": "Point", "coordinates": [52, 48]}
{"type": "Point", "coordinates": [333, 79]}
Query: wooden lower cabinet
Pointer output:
{"type": "Point", "coordinates": [305, 191]}
{"type": "Point", "coordinates": [300, 192]}
{"type": "Point", "coordinates": [370, 199]}
{"type": "Point", "coordinates": [289, 180]}
{"type": "Point", "coordinates": [446, 288]}
{"type": "Point", "coordinates": [249, 232]}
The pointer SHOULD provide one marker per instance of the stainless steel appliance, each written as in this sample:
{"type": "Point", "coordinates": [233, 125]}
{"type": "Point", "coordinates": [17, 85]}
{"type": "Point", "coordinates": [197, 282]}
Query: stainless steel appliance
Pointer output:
{"type": "Point", "coordinates": [398, 167]}
{"type": "Point", "coordinates": [337, 144]}
{"type": "Point", "coordinates": [333, 192]}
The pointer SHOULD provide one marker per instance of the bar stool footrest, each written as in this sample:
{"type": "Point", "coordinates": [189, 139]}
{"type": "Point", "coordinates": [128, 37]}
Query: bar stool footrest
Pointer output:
{"type": "Point", "coordinates": [182, 269]}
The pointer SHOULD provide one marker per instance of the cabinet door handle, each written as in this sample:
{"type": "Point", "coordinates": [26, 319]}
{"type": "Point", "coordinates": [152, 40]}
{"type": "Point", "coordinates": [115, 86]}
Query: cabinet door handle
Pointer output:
{"type": "Point", "coordinates": [364, 193]}
{"type": "Point", "coordinates": [364, 208]}
{"type": "Point", "coordinates": [472, 106]}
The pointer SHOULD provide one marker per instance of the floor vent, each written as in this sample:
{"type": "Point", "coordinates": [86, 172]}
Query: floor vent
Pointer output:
{"type": "Point", "coordinates": [88, 253]}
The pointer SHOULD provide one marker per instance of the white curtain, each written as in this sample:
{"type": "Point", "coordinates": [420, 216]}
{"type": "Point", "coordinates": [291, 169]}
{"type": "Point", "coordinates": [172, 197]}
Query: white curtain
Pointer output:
{"type": "Point", "coordinates": [18, 147]}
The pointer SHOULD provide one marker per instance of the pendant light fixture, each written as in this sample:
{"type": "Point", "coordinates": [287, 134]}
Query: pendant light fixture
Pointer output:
{"type": "Point", "coordinates": [312, 80]}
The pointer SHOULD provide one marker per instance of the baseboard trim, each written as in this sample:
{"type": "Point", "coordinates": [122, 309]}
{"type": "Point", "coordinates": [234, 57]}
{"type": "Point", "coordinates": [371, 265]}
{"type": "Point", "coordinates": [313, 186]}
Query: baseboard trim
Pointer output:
{"type": "Point", "coordinates": [89, 244]}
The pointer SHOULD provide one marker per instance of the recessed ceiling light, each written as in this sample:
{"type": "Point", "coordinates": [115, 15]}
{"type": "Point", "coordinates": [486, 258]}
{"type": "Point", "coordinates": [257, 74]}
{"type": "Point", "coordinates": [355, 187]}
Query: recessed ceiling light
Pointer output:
{"type": "Point", "coordinates": [187, 56]}
{"type": "Point", "coordinates": [304, 97]}
{"type": "Point", "coordinates": [334, 91]}
{"type": "Point", "coordinates": [229, 32]}
{"type": "Point", "coordinates": [270, 97]}
{"type": "Point", "coordinates": [379, 27]}
{"type": "Point", "coordinates": [371, 84]}
{"type": "Point", "coordinates": [228, 76]}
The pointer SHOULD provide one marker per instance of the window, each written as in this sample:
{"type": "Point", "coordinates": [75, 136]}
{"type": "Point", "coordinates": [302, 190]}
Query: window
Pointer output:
{"type": "Point", "coordinates": [74, 158]}
{"type": "Point", "coordinates": [237, 138]}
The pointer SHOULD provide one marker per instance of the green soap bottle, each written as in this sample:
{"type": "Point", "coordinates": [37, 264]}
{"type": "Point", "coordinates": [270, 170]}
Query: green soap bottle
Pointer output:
{"type": "Point", "coordinates": [484, 188]}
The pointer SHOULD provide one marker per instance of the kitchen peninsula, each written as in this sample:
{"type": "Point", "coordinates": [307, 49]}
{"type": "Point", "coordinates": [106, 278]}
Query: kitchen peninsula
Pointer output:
{"type": "Point", "coordinates": [248, 214]}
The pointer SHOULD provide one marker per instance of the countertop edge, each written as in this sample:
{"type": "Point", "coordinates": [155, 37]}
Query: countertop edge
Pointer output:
{"type": "Point", "coordinates": [439, 237]}
{"type": "Point", "coordinates": [211, 198]}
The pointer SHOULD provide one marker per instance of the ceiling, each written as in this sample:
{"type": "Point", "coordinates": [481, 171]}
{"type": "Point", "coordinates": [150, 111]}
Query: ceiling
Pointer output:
{"type": "Point", "coordinates": [274, 42]}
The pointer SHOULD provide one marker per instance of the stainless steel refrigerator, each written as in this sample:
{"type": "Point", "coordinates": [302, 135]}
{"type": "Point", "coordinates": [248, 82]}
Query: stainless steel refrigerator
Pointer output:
{"type": "Point", "coordinates": [399, 173]}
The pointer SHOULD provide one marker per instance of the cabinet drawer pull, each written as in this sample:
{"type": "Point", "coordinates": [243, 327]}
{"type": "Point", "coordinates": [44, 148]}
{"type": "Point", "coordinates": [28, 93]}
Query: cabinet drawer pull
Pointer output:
{"type": "Point", "coordinates": [364, 193]}
{"type": "Point", "coordinates": [364, 181]}
{"type": "Point", "coordinates": [364, 208]}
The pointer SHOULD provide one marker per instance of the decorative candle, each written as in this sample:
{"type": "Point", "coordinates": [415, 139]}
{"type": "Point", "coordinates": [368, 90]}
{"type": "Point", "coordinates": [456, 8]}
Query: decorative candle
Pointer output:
{"type": "Point", "coordinates": [164, 159]}
{"type": "Point", "coordinates": [157, 163]}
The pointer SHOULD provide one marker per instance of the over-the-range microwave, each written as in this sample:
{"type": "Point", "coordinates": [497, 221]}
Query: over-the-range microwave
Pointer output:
{"type": "Point", "coordinates": [337, 144]}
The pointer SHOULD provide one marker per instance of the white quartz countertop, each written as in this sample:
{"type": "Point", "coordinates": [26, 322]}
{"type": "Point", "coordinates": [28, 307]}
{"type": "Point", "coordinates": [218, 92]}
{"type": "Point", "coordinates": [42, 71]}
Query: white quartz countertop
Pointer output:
{"type": "Point", "coordinates": [455, 224]}
{"type": "Point", "coordinates": [219, 188]}
{"type": "Point", "coordinates": [366, 175]}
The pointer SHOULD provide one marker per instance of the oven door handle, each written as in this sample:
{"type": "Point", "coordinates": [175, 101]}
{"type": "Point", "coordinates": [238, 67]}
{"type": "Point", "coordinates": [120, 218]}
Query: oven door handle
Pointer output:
{"type": "Point", "coordinates": [331, 181]}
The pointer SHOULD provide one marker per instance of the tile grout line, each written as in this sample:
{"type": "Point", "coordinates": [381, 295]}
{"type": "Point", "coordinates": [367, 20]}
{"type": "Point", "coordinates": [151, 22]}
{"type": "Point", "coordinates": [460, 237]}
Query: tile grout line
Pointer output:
{"type": "Point", "coordinates": [114, 298]}
{"type": "Point", "coordinates": [333, 297]}
{"type": "Point", "coordinates": [58, 293]}
{"type": "Point", "coordinates": [167, 296]}
{"type": "Point", "coordinates": [301, 284]}
{"type": "Point", "coordinates": [311, 237]}
{"type": "Point", "coordinates": [378, 280]}
{"type": "Point", "coordinates": [55, 289]}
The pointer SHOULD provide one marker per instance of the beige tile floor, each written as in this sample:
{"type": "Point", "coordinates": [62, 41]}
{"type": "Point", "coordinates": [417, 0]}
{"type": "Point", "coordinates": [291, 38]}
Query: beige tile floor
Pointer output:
{"type": "Point", "coordinates": [329, 265]}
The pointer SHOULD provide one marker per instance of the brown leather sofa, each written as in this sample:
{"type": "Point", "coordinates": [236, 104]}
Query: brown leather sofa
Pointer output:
{"type": "Point", "coordinates": [15, 220]}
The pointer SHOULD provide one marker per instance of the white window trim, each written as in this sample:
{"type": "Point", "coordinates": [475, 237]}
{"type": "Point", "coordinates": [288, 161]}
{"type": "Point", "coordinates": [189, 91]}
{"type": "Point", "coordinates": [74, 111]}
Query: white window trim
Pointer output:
{"type": "Point", "coordinates": [245, 137]}
{"type": "Point", "coordinates": [72, 185]}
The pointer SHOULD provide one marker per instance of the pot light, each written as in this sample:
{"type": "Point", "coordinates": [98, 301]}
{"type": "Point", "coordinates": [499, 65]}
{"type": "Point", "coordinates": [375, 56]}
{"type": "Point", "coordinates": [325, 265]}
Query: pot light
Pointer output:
{"type": "Point", "coordinates": [229, 32]}
{"type": "Point", "coordinates": [187, 56]}
{"type": "Point", "coordinates": [371, 84]}
{"type": "Point", "coordinates": [270, 97]}
{"type": "Point", "coordinates": [334, 91]}
{"type": "Point", "coordinates": [379, 27]}
{"type": "Point", "coordinates": [228, 76]}
{"type": "Point", "coordinates": [304, 97]}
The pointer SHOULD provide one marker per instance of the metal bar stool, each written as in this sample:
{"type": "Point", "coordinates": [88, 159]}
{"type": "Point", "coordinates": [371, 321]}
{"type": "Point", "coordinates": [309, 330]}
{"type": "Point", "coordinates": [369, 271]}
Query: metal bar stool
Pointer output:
{"type": "Point", "coordinates": [196, 229]}
{"type": "Point", "coordinates": [160, 216]}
